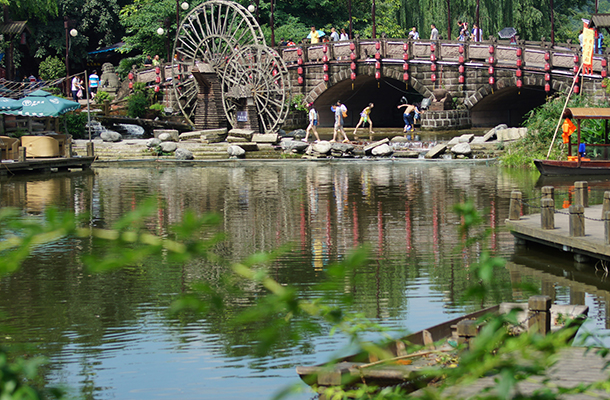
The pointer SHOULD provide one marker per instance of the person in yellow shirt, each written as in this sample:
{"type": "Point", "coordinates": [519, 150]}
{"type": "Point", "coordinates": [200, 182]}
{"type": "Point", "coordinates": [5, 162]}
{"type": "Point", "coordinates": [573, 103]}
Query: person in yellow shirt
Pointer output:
{"type": "Point", "coordinates": [314, 36]}
{"type": "Point", "coordinates": [364, 118]}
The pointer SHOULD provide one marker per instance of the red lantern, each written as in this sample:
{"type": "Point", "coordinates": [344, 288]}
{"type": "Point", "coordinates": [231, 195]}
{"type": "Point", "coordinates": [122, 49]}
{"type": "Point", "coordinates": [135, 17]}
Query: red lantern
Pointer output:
{"type": "Point", "coordinates": [547, 67]}
{"type": "Point", "coordinates": [131, 85]}
{"type": "Point", "coordinates": [300, 70]}
{"type": "Point", "coordinates": [547, 77]}
{"type": "Point", "coordinates": [432, 47]}
{"type": "Point", "coordinates": [300, 80]}
{"type": "Point", "coordinates": [325, 58]}
{"type": "Point", "coordinates": [519, 62]}
{"type": "Point", "coordinates": [157, 79]}
{"type": "Point", "coordinates": [300, 61]}
{"type": "Point", "coordinates": [576, 79]}
{"type": "Point", "coordinates": [461, 69]}
{"type": "Point", "coordinates": [325, 67]}
{"type": "Point", "coordinates": [433, 67]}
{"type": "Point", "coordinates": [491, 80]}
{"type": "Point", "coordinates": [156, 89]}
{"type": "Point", "coordinates": [377, 56]}
{"type": "Point", "coordinates": [325, 77]}
{"type": "Point", "coordinates": [405, 76]}
{"type": "Point", "coordinates": [461, 79]}
{"type": "Point", "coordinates": [547, 56]}
{"type": "Point", "coordinates": [405, 57]}
{"type": "Point", "coordinates": [405, 67]}
{"type": "Point", "coordinates": [576, 59]}
{"type": "Point", "coordinates": [353, 76]}
{"type": "Point", "coordinates": [575, 69]}
{"type": "Point", "coordinates": [352, 56]}
{"type": "Point", "coordinates": [405, 47]}
{"type": "Point", "coordinates": [377, 45]}
{"type": "Point", "coordinates": [604, 62]}
{"type": "Point", "coordinates": [547, 87]}
{"type": "Point", "coordinates": [433, 77]}
{"type": "Point", "coordinates": [157, 70]}
{"type": "Point", "coordinates": [377, 65]}
{"type": "Point", "coordinates": [604, 73]}
{"type": "Point", "coordinates": [432, 57]}
{"type": "Point", "coordinates": [274, 72]}
{"type": "Point", "coordinates": [377, 75]}
{"type": "Point", "coordinates": [461, 59]}
{"type": "Point", "coordinates": [353, 66]}
{"type": "Point", "coordinates": [519, 52]}
{"type": "Point", "coordinates": [604, 84]}
{"type": "Point", "coordinates": [519, 83]}
{"type": "Point", "coordinates": [491, 60]}
{"type": "Point", "coordinates": [352, 46]}
{"type": "Point", "coordinates": [576, 89]}
{"type": "Point", "coordinates": [130, 76]}
{"type": "Point", "coordinates": [324, 48]}
{"type": "Point", "coordinates": [299, 52]}
{"type": "Point", "coordinates": [461, 49]}
{"type": "Point", "coordinates": [491, 49]}
{"type": "Point", "coordinates": [490, 70]}
{"type": "Point", "coordinates": [519, 73]}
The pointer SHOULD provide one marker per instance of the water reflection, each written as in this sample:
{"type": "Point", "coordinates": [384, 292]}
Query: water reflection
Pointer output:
{"type": "Point", "coordinates": [108, 335]}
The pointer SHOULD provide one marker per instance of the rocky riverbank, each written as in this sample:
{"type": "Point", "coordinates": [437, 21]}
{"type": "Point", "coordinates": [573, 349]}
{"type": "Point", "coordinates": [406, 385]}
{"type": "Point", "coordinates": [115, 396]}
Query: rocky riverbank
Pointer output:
{"type": "Point", "coordinates": [223, 144]}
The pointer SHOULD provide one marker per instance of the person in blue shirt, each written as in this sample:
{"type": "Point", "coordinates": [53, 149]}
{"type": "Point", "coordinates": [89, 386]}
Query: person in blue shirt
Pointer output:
{"type": "Point", "coordinates": [94, 83]}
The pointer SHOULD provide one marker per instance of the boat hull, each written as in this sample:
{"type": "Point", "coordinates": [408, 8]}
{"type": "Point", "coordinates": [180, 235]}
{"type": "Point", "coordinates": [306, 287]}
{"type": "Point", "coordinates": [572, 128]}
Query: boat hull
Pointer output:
{"type": "Point", "coordinates": [592, 167]}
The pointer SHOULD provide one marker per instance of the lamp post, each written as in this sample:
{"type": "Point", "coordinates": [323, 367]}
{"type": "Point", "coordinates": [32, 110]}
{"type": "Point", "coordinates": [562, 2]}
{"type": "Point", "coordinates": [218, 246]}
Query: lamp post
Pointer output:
{"type": "Point", "coordinates": [272, 27]}
{"type": "Point", "coordinates": [374, 33]}
{"type": "Point", "coordinates": [349, 10]}
{"type": "Point", "coordinates": [160, 31]}
{"type": "Point", "coordinates": [73, 32]}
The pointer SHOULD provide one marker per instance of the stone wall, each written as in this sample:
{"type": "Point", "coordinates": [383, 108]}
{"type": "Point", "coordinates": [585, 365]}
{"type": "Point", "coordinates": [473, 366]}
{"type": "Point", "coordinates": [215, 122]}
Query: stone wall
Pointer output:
{"type": "Point", "coordinates": [446, 120]}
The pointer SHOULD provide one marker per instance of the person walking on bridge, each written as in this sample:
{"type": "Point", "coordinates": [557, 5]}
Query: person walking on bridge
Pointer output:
{"type": "Point", "coordinates": [414, 34]}
{"type": "Point", "coordinates": [434, 32]}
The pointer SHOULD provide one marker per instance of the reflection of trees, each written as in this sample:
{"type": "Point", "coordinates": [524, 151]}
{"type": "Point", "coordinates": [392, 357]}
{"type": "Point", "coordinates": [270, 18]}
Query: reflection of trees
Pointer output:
{"type": "Point", "coordinates": [402, 210]}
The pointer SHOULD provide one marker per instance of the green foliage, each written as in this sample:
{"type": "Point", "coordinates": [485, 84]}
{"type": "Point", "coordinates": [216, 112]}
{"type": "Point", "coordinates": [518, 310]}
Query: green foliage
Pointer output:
{"type": "Point", "coordinates": [298, 103]}
{"type": "Point", "coordinates": [51, 68]}
{"type": "Point", "coordinates": [77, 124]}
{"type": "Point", "coordinates": [137, 104]}
{"type": "Point", "coordinates": [157, 107]}
{"type": "Point", "coordinates": [126, 64]}
{"type": "Point", "coordinates": [101, 96]}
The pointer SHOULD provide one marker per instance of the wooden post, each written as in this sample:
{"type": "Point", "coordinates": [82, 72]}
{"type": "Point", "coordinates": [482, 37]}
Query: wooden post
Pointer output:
{"type": "Point", "coordinates": [466, 330]}
{"type": "Point", "coordinates": [68, 149]}
{"type": "Point", "coordinates": [581, 193]}
{"type": "Point", "coordinates": [547, 213]}
{"type": "Point", "coordinates": [606, 205]}
{"type": "Point", "coordinates": [514, 211]}
{"type": "Point", "coordinates": [90, 149]}
{"type": "Point", "coordinates": [539, 314]}
{"type": "Point", "coordinates": [577, 220]}
{"type": "Point", "coordinates": [106, 108]}
{"type": "Point", "coordinates": [548, 192]}
{"type": "Point", "coordinates": [22, 154]}
{"type": "Point", "coordinates": [607, 226]}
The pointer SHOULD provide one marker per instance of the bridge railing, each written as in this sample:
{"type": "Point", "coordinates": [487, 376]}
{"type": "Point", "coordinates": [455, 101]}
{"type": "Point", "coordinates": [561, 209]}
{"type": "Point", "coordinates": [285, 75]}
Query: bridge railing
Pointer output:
{"type": "Point", "coordinates": [526, 55]}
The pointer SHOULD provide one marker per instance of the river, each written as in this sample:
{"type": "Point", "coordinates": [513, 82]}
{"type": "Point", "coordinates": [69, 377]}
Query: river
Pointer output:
{"type": "Point", "coordinates": [110, 336]}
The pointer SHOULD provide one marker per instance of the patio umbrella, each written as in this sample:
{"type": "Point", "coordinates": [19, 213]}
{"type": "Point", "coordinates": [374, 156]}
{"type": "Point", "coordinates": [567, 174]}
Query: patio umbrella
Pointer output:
{"type": "Point", "coordinates": [9, 104]}
{"type": "Point", "coordinates": [507, 33]}
{"type": "Point", "coordinates": [43, 104]}
{"type": "Point", "coordinates": [320, 34]}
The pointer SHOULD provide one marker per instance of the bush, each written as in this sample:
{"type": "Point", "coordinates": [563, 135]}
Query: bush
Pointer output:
{"type": "Point", "coordinates": [101, 96]}
{"type": "Point", "coordinates": [51, 68]}
{"type": "Point", "coordinates": [126, 63]}
{"type": "Point", "coordinates": [137, 104]}
{"type": "Point", "coordinates": [77, 124]}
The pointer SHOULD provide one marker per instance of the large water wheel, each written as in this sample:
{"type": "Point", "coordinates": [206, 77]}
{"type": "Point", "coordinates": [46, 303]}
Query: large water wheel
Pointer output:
{"type": "Point", "coordinates": [214, 33]}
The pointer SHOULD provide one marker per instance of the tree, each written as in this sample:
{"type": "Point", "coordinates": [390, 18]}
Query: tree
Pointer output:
{"type": "Point", "coordinates": [51, 68]}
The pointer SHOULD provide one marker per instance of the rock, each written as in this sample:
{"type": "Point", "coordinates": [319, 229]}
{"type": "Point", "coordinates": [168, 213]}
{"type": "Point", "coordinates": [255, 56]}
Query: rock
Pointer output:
{"type": "Point", "coordinates": [298, 146]}
{"type": "Point", "coordinates": [242, 133]}
{"type": "Point", "coordinates": [236, 139]}
{"type": "Point", "coordinates": [213, 137]}
{"type": "Point", "coordinates": [297, 133]}
{"type": "Point", "coordinates": [399, 139]}
{"type": "Point", "coordinates": [265, 138]}
{"type": "Point", "coordinates": [453, 141]}
{"type": "Point", "coordinates": [371, 146]}
{"type": "Point", "coordinates": [166, 137]}
{"type": "Point", "coordinates": [461, 148]}
{"type": "Point", "coordinates": [168, 147]}
{"type": "Point", "coordinates": [154, 142]}
{"type": "Point", "coordinates": [172, 132]}
{"type": "Point", "coordinates": [382, 150]}
{"type": "Point", "coordinates": [236, 151]}
{"type": "Point", "coordinates": [184, 154]}
{"type": "Point", "coordinates": [466, 138]}
{"type": "Point", "coordinates": [436, 151]}
{"type": "Point", "coordinates": [248, 146]}
{"type": "Point", "coordinates": [281, 133]}
{"type": "Point", "coordinates": [359, 151]}
{"type": "Point", "coordinates": [322, 147]}
{"type": "Point", "coordinates": [342, 147]}
{"type": "Point", "coordinates": [478, 140]}
{"type": "Point", "coordinates": [492, 133]}
{"type": "Point", "coordinates": [110, 136]}
{"type": "Point", "coordinates": [199, 134]}
{"type": "Point", "coordinates": [511, 134]}
{"type": "Point", "coordinates": [406, 154]}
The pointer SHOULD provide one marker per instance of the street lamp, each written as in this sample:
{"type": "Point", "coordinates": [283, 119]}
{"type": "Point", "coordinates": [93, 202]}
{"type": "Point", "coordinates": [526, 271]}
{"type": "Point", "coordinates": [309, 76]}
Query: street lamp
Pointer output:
{"type": "Point", "coordinates": [251, 8]}
{"type": "Point", "coordinates": [73, 32]}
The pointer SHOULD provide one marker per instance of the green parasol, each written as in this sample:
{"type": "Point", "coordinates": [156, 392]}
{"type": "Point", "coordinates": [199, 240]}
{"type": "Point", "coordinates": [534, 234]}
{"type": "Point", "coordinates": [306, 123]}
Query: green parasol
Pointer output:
{"type": "Point", "coordinates": [43, 104]}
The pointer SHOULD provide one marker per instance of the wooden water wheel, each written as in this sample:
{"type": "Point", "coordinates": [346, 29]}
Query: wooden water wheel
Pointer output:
{"type": "Point", "coordinates": [209, 34]}
{"type": "Point", "coordinates": [256, 74]}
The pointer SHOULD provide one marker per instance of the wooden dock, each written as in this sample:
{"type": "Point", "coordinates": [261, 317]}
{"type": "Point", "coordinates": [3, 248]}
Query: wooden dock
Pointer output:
{"type": "Point", "coordinates": [44, 165]}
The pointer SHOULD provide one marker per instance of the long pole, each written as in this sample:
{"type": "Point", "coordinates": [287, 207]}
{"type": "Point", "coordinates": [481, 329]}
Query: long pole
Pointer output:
{"type": "Point", "coordinates": [448, 19]}
{"type": "Point", "coordinates": [67, 56]}
{"type": "Point", "coordinates": [88, 104]}
{"type": "Point", "coordinates": [272, 27]}
{"type": "Point", "coordinates": [374, 33]}
{"type": "Point", "coordinates": [552, 25]}
{"type": "Point", "coordinates": [349, 10]}
{"type": "Point", "coordinates": [177, 14]}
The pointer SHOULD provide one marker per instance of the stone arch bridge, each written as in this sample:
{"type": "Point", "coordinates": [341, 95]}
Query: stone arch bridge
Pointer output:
{"type": "Point", "coordinates": [489, 82]}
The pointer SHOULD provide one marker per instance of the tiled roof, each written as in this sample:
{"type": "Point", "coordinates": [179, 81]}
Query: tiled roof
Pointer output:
{"type": "Point", "coordinates": [13, 27]}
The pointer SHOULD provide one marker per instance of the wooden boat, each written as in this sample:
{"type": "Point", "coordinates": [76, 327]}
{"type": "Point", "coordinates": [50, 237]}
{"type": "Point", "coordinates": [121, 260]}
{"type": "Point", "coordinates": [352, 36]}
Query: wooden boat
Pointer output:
{"type": "Point", "coordinates": [399, 367]}
{"type": "Point", "coordinates": [578, 165]}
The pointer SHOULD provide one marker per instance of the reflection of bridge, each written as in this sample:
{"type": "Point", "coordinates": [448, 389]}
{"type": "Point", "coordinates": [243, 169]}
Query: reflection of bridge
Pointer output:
{"type": "Point", "coordinates": [497, 82]}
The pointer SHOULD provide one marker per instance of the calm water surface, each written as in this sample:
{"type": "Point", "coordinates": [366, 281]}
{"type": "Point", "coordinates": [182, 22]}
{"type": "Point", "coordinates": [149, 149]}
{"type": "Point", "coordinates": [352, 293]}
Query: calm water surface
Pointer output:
{"type": "Point", "coordinates": [109, 336]}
